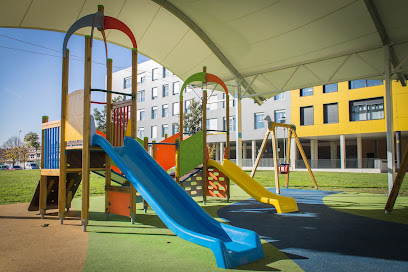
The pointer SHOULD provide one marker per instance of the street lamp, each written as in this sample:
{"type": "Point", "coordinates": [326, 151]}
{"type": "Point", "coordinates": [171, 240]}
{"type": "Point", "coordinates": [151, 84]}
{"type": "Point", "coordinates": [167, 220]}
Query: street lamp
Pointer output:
{"type": "Point", "coordinates": [19, 141]}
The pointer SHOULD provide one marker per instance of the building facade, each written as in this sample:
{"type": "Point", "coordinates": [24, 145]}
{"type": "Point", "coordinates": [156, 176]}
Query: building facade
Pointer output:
{"type": "Point", "coordinates": [341, 126]}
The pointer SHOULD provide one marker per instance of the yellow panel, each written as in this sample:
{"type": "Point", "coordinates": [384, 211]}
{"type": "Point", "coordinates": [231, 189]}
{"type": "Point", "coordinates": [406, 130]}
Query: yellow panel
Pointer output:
{"type": "Point", "coordinates": [75, 116]}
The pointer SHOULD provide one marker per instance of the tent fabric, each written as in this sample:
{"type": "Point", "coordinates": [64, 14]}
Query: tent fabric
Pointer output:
{"type": "Point", "coordinates": [276, 45]}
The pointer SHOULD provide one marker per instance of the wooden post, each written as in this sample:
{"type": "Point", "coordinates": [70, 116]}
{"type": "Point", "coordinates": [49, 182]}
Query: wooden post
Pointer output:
{"type": "Point", "coordinates": [146, 147]}
{"type": "Point", "coordinates": [258, 158]}
{"type": "Point", "coordinates": [302, 152]}
{"type": "Point", "coordinates": [397, 183]}
{"type": "Point", "coordinates": [108, 176]}
{"type": "Point", "coordinates": [177, 174]}
{"type": "Point", "coordinates": [43, 179]}
{"type": "Point", "coordinates": [154, 150]}
{"type": "Point", "coordinates": [227, 148]}
{"type": "Point", "coordinates": [86, 133]}
{"type": "Point", "coordinates": [204, 128]}
{"type": "Point", "coordinates": [288, 156]}
{"type": "Point", "coordinates": [134, 128]}
{"type": "Point", "coordinates": [62, 193]}
{"type": "Point", "coordinates": [275, 160]}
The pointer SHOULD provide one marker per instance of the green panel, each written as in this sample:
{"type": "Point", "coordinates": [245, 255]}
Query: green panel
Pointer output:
{"type": "Point", "coordinates": [191, 153]}
{"type": "Point", "coordinates": [196, 77]}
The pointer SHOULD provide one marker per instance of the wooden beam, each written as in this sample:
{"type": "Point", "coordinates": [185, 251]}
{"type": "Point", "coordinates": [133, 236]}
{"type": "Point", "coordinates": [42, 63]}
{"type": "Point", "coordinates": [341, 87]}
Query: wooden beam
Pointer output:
{"type": "Point", "coordinates": [397, 183]}
{"type": "Point", "coordinates": [62, 193]}
{"type": "Point", "coordinates": [86, 133]}
{"type": "Point", "coordinates": [275, 161]}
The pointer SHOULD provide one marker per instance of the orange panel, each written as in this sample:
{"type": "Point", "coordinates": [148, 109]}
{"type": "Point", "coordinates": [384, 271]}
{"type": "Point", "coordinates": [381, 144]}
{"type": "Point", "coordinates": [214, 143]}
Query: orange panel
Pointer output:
{"type": "Point", "coordinates": [166, 154]}
{"type": "Point", "coordinates": [119, 203]}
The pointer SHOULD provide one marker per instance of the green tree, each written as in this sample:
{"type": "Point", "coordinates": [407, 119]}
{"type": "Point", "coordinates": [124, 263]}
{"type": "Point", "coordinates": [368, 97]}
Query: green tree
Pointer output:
{"type": "Point", "coordinates": [33, 140]}
{"type": "Point", "coordinates": [15, 150]}
{"type": "Point", "coordinates": [192, 117]}
{"type": "Point", "coordinates": [100, 117]}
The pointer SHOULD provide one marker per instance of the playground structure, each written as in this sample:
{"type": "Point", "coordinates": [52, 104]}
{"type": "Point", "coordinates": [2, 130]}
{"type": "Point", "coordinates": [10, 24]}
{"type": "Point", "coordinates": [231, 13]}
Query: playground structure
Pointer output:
{"type": "Point", "coordinates": [282, 168]}
{"type": "Point", "coordinates": [64, 155]}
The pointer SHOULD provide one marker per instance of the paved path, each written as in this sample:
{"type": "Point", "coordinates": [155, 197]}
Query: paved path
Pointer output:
{"type": "Point", "coordinates": [319, 238]}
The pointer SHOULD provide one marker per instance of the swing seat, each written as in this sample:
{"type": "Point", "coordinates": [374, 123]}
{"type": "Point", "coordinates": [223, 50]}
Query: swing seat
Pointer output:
{"type": "Point", "coordinates": [283, 168]}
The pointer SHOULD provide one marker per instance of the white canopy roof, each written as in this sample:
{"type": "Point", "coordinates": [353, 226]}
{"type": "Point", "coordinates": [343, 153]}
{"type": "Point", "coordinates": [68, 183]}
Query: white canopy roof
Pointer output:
{"type": "Point", "coordinates": [277, 45]}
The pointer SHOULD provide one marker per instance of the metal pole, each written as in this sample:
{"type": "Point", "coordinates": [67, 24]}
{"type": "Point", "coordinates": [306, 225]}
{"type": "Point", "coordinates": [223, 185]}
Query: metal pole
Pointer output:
{"type": "Point", "coordinates": [239, 124]}
{"type": "Point", "coordinates": [389, 119]}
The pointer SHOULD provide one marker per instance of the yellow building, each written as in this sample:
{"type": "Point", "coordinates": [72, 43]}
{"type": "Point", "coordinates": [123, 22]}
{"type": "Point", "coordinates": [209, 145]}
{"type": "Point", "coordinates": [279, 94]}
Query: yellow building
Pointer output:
{"type": "Point", "coordinates": [343, 125]}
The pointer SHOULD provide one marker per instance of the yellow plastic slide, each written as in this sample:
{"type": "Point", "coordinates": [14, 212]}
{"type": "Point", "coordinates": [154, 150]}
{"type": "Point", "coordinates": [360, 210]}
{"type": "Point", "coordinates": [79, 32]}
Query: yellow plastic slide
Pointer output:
{"type": "Point", "coordinates": [283, 204]}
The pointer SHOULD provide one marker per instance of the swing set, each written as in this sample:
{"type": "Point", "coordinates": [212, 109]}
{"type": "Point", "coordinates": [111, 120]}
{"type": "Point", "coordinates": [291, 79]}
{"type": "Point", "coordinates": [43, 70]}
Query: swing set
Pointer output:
{"type": "Point", "coordinates": [282, 168]}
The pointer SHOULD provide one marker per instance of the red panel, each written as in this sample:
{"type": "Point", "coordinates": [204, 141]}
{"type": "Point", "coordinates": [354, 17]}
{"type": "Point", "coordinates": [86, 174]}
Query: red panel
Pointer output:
{"type": "Point", "coordinates": [214, 78]}
{"type": "Point", "coordinates": [113, 23]}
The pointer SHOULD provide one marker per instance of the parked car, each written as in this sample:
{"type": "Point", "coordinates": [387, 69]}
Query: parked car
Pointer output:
{"type": "Point", "coordinates": [31, 165]}
{"type": "Point", "coordinates": [15, 167]}
{"type": "Point", "coordinates": [3, 167]}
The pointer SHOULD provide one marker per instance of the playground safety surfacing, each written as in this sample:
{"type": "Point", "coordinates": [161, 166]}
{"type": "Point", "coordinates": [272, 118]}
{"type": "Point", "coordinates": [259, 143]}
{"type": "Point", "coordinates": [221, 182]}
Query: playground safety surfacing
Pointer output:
{"type": "Point", "coordinates": [331, 232]}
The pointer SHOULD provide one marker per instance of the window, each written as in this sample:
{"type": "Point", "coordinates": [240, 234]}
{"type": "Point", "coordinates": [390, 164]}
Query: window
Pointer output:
{"type": "Point", "coordinates": [186, 104]}
{"type": "Point", "coordinates": [306, 116]}
{"type": "Point", "coordinates": [212, 123]}
{"type": "Point", "coordinates": [259, 120]}
{"type": "Point", "coordinates": [154, 112]}
{"type": "Point", "coordinates": [175, 128]}
{"type": "Point", "coordinates": [164, 72]}
{"type": "Point", "coordinates": [176, 87]}
{"type": "Point", "coordinates": [330, 88]}
{"type": "Point", "coordinates": [140, 133]}
{"type": "Point", "coordinates": [212, 102]}
{"type": "Point", "coordinates": [140, 115]}
{"type": "Point", "coordinates": [231, 101]}
{"type": "Point", "coordinates": [232, 124]}
{"type": "Point", "coordinates": [155, 74]}
{"type": "Point", "coordinates": [165, 130]}
{"type": "Point", "coordinates": [362, 83]}
{"type": "Point", "coordinates": [306, 91]}
{"type": "Point", "coordinates": [140, 96]}
{"type": "Point", "coordinates": [165, 110]}
{"type": "Point", "coordinates": [176, 108]}
{"type": "Point", "coordinates": [154, 93]}
{"type": "Point", "coordinates": [367, 109]}
{"type": "Point", "coordinates": [127, 82]}
{"type": "Point", "coordinates": [189, 89]}
{"type": "Point", "coordinates": [165, 90]}
{"type": "Point", "coordinates": [141, 78]}
{"type": "Point", "coordinates": [330, 113]}
{"type": "Point", "coordinates": [154, 132]}
{"type": "Point", "coordinates": [280, 116]}
{"type": "Point", "coordinates": [280, 96]}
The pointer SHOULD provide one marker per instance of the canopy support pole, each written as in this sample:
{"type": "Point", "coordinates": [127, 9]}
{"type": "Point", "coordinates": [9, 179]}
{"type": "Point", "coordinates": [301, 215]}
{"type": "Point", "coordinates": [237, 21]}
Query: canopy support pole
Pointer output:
{"type": "Point", "coordinates": [238, 149]}
{"type": "Point", "coordinates": [389, 118]}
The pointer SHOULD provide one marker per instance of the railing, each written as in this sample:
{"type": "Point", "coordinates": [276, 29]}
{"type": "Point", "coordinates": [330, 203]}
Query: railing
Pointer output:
{"type": "Point", "coordinates": [51, 144]}
{"type": "Point", "coordinates": [121, 116]}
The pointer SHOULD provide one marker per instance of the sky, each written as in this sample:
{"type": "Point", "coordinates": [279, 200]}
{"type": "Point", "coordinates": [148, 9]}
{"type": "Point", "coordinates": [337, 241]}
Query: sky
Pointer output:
{"type": "Point", "coordinates": [31, 76]}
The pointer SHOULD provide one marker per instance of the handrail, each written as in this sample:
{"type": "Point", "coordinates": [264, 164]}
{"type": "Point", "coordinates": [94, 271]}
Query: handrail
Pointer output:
{"type": "Point", "coordinates": [52, 124]}
{"type": "Point", "coordinates": [113, 92]}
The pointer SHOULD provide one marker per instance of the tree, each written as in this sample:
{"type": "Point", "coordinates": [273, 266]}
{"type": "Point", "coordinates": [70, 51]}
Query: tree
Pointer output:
{"type": "Point", "coordinates": [12, 142]}
{"type": "Point", "coordinates": [33, 140]}
{"type": "Point", "coordinates": [14, 150]}
{"type": "Point", "coordinates": [192, 117]}
{"type": "Point", "coordinates": [100, 117]}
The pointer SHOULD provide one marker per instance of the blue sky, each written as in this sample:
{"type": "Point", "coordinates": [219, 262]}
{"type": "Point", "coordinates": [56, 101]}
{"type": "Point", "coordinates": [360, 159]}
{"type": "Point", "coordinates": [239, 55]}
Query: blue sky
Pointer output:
{"type": "Point", "coordinates": [31, 72]}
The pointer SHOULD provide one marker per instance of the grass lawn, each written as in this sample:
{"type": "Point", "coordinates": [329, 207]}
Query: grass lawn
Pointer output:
{"type": "Point", "coordinates": [19, 186]}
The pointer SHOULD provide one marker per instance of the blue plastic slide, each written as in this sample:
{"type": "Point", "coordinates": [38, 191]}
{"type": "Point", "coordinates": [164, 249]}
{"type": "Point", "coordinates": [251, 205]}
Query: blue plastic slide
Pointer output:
{"type": "Point", "coordinates": [231, 246]}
